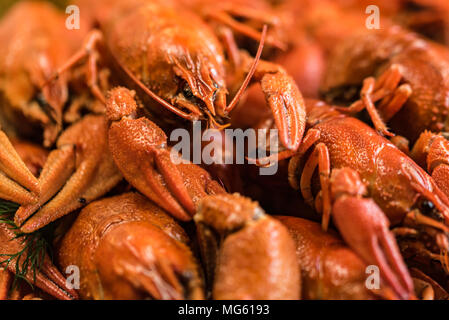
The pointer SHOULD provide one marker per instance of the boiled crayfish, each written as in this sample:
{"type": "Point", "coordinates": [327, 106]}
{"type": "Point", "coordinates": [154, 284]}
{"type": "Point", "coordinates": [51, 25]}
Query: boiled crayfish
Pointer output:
{"type": "Point", "coordinates": [177, 60]}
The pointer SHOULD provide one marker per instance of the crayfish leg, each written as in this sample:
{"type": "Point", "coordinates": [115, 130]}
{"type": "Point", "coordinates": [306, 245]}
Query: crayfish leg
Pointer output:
{"type": "Point", "coordinates": [89, 51]}
{"type": "Point", "coordinates": [431, 151]}
{"type": "Point", "coordinates": [319, 158]}
{"type": "Point", "coordinates": [385, 89]}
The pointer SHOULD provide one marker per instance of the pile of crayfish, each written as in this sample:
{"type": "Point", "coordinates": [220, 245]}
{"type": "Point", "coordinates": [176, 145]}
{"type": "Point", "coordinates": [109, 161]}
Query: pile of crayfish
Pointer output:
{"type": "Point", "coordinates": [96, 202]}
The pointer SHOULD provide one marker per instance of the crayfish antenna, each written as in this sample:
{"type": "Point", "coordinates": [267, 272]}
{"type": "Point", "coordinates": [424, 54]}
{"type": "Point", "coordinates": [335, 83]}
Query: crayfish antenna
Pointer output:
{"type": "Point", "coordinates": [312, 136]}
{"type": "Point", "coordinates": [251, 72]}
{"type": "Point", "coordinates": [155, 97]}
{"type": "Point", "coordinates": [245, 30]}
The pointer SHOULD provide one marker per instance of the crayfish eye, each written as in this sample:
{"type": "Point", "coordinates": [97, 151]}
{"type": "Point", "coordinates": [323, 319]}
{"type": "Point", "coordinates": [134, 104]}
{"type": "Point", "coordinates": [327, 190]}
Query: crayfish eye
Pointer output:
{"type": "Point", "coordinates": [40, 99]}
{"type": "Point", "coordinates": [428, 208]}
{"type": "Point", "coordinates": [186, 91]}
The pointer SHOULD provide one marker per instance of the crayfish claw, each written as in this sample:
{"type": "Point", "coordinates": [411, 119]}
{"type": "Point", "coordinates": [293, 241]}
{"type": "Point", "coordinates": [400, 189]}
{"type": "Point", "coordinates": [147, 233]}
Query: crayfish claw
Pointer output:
{"type": "Point", "coordinates": [146, 257]}
{"type": "Point", "coordinates": [155, 188]}
{"type": "Point", "coordinates": [245, 238]}
{"type": "Point", "coordinates": [76, 173]}
{"type": "Point", "coordinates": [13, 165]}
{"type": "Point", "coordinates": [58, 168]}
{"type": "Point", "coordinates": [15, 176]}
{"type": "Point", "coordinates": [165, 182]}
{"type": "Point", "coordinates": [132, 249]}
{"type": "Point", "coordinates": [376, 244]}
{"type": "Point", "coordinates": [287, 106]}
{"type": "Point", "coordinates": [320, 254]}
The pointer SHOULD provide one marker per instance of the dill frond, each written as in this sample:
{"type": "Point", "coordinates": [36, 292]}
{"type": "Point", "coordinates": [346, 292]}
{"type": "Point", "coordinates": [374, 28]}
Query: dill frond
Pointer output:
{"type": "Point", "coordinates": [35, 246]}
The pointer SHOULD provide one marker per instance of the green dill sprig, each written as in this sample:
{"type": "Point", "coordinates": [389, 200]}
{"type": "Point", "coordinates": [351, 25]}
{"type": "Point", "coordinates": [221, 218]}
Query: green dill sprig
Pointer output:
{"type": "Point", "coordinates": [35, 246]}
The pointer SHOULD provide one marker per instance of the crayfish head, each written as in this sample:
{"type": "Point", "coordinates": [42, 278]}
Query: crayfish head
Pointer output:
{"type": "Point", "coordinates": [425, 238]}
{"type": "Point", "coordinates": [426, 225]}
{"type": "Point", "coordinates": [201, 88]}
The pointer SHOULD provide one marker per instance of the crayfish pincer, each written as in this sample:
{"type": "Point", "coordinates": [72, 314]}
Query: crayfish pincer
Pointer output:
{"type": "Point", "coordinates": [128, 248]}
{"type": "Point", "coordinates": [79, 171]}
{"type": "Point", "coordinates": [17, 183]}
{"type": "Point", "coordinates": [248, 254]}
{"type": "Point", "coordinates": [140, 151]}
{"type": "Point", "coordinates": [21, 256]}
